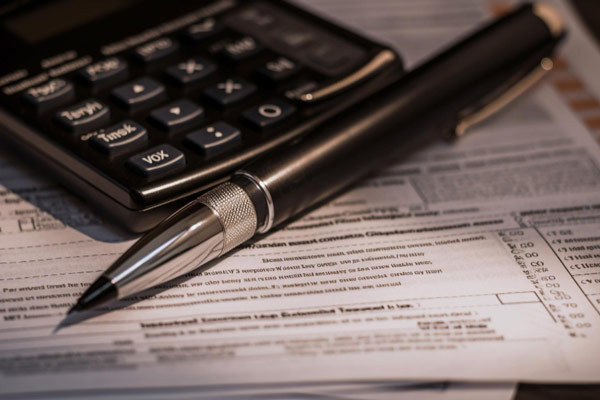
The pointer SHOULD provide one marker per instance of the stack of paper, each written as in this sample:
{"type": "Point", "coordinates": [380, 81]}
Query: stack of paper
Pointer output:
{"type": "Point", "coordinates": [470, 262]}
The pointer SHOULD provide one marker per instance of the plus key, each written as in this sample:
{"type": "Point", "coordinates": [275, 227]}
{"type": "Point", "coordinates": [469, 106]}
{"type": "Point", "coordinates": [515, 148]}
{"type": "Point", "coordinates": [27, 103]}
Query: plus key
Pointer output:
{"type": "Point", "coordinates": [191, 71]}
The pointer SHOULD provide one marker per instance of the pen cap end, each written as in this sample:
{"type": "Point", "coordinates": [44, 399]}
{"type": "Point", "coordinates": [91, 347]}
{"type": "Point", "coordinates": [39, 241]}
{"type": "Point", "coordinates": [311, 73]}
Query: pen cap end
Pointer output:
{"type": "Point", "coordinates": [551, 17]}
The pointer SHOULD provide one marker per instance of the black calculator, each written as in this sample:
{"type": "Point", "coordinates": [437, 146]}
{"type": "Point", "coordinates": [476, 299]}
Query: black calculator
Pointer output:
{"type": "Point", "coordinates": [140, 105]}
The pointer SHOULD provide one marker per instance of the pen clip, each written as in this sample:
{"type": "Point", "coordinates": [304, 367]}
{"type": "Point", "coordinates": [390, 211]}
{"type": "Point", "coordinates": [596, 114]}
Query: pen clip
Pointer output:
{"type": "Point", "coordinates": [515, 81]}
{"type": "Point", "coordinates": [498, 100]}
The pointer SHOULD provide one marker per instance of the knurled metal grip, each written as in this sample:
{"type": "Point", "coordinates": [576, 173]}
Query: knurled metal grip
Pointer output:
{"type": "Point", "coordinates": [235, 211]}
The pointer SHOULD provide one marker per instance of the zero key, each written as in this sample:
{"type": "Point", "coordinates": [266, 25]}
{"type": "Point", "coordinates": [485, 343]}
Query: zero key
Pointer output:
{"type": "Point", "coordinates": [267, 114]}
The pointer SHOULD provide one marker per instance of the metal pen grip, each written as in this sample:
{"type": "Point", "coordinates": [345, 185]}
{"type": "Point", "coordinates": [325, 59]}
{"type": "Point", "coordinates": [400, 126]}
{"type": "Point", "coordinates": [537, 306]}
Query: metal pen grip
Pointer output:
{"type": "Point", "coordinates": [235, 211]}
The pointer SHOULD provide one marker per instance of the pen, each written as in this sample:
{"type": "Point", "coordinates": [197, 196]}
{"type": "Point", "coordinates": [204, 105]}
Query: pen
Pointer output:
{"type": "Point", "coordinates": [452, 91]}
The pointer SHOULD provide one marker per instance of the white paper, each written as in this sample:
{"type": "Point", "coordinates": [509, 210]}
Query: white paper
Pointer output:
{"type": "Point", "coordinates": [476, 261]}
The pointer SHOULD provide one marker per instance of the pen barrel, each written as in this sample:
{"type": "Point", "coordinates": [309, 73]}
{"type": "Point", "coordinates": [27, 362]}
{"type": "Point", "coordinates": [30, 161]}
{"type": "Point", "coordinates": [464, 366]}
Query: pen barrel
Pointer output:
{"type": "Point", "coordinates": [403, 115]}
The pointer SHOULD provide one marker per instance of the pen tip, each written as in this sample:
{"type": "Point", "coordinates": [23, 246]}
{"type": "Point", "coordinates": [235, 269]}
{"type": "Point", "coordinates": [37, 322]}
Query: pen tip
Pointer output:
{"type": "Point", "coordinates": [100, 292]}
{"type": "Point", "coordinates": [76, 308]}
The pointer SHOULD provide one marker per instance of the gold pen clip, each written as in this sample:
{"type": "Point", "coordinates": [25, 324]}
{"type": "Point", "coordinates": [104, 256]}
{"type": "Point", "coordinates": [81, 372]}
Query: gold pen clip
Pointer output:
{"type": "Point", "coordinates": [472, 116]}
{"type": "Point", "coordinates": [475, 114]}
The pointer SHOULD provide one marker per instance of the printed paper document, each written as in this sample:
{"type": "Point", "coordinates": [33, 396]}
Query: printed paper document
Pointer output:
{"type": "Point", "coordinates": [478, 260]}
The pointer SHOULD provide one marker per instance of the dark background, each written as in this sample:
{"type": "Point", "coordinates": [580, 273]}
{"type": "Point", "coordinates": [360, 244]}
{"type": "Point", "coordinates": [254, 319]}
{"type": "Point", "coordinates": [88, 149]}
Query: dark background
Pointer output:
{"type": "Point", "coordinates": [589, 11]}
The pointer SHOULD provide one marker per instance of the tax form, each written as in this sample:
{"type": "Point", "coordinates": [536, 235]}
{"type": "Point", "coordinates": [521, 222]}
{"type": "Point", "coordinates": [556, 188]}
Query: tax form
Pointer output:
{"type": "Point", "coordinates": [473, 261]}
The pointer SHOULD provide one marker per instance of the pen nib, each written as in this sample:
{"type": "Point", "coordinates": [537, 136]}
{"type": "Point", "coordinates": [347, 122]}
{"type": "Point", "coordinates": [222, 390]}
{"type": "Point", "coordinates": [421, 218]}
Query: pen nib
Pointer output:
{"type": "Point", "coordinates": [76, 307]}
{"type": "Point", "coordinates": [100, 292]}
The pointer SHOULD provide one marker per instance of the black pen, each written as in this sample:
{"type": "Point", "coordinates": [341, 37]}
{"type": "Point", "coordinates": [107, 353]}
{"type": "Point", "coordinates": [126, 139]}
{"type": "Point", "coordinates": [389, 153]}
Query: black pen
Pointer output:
{"type": "Point", "coordinates": [455, 89]}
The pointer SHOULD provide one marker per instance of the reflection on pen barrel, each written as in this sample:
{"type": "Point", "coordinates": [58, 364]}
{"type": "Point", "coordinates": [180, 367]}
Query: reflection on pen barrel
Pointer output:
{"type": "Point", "coordinates": [472, 72]}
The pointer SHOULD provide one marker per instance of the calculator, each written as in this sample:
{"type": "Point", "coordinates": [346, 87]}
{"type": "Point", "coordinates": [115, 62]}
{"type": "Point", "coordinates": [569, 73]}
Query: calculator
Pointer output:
{"type": "Point", "coordinates": [140, 105]}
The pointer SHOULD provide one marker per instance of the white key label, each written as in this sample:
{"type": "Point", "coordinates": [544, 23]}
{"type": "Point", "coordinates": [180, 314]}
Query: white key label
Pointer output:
{"type": "Point", "coordinates": [269, 111]}
{"type": "Point", "coordinates": [153, 47]}
{"type": "Point", "coordinates": [205, 26]}
{"type": "Point", "coordinates": [155, 157]}
{"type": "Point", "coordinates": [102, 66]}
{"type": "Point", "coordinates": [280, 65]}
{"type": "Point", "coordinates": [190, 66]}
{"type": "Point", "coordinates": [45, 90]}
{"type": "Point", "coordinates": [88, 109]}
{"type": "Point", "coordinates": [229, 86]}
{"type": "Point", "coordinates": [241, 46]}
{"type": "Point", "coordinates": [117, 134]}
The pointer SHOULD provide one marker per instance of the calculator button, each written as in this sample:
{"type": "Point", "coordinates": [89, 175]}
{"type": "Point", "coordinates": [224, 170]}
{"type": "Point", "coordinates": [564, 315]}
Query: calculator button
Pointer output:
{"type": "Point", "coordinates": [256, 17]}
{"type": "Point", "coordinates": [329, 55]}
{"type": "Point", "coordinates": [103, 72]}
{"type": "Point", "coordinates": [157, 161]}
{"type": "Point", "coordinates": [177, 115]}
{"type": "Point", "coordinates": [84, 116]}
{"type": "Point", "coordinates": [191, 70]}
{"type": "Point", "coordinates": [230, 91]}
{"type": "Point", "coordinates": [139, 93]}
{"type": "Point", "coordinates": [156, 50]}
{"type": "Point", "coordinates": [278, 70]}
{"type": "Point", "coordinates": [214, 138]}
{"type": "Point", "coordinates": [240, 49]}
{"type": "Point", "coordinates": [51, 93]}
{"type": "Point", "coordinates": [295, 38]}
{"type": "Point", "coordinates": [120, 138]}
{"type": "Point", "coordinates": [268, 114]}
{"type": "Point", "coordinates": [203, 30]}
